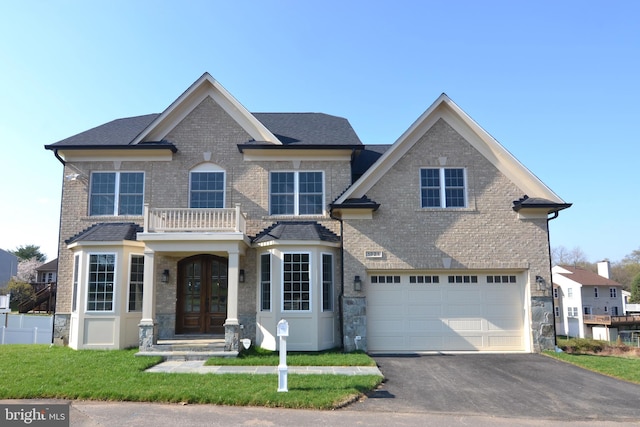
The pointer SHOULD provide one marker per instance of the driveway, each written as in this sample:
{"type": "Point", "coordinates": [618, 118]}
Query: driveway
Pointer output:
{"type": "Point", "coordinates": [500, 385]}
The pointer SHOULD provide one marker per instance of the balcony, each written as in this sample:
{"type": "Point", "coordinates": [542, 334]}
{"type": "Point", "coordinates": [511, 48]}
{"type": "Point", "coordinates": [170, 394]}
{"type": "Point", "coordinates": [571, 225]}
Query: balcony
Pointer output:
{"type": "Point", "coordinates": [601, 319]}
{"type": "Point", "coordinates": [174, 220]}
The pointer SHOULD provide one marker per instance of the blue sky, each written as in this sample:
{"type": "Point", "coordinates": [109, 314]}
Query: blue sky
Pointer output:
{"type": "Point", "coordinates": [556, 83]}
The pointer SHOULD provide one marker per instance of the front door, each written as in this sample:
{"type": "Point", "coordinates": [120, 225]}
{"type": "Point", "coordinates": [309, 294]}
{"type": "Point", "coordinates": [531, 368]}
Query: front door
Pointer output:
{"type": "Point", "coordinates": [202, 295]}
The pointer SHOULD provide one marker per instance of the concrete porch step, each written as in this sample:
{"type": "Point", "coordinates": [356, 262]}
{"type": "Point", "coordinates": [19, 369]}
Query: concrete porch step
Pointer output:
{"type": "Point", "coordinates": [189, 348]}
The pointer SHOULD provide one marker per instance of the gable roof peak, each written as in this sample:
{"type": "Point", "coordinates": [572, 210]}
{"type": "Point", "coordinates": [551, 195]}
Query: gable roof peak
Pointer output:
{"type": "Point", "coordinates": [443, 108]}
{"type": "Point", "coordinates": [203, 87]}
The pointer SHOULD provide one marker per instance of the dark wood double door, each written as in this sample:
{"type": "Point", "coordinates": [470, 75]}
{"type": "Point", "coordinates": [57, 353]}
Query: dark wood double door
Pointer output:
{"type": "Point", "coordinates": [202, 295]}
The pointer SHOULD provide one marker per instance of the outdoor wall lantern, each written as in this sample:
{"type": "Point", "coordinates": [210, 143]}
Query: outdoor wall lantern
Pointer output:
{"type": "Point", "coordinates": [241, 276]}
{"type": "Point", "coordinates": [357, 283]}
{"type": "Point", "coordinates": [165, 276]}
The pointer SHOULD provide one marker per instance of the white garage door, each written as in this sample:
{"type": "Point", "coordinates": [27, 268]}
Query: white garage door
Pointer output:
{"type": "Point", "coordinates": [445, 313]}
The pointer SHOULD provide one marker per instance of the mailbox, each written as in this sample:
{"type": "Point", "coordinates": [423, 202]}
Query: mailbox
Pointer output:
{"type": "Point", "coordinates": [283, 328]}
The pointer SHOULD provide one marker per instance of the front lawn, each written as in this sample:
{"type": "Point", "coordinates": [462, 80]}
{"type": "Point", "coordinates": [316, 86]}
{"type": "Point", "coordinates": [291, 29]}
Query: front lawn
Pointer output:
{"type": "Point", "coordinates": [260, 357]}
{"type": "Point", "coordinates": [41, 372]}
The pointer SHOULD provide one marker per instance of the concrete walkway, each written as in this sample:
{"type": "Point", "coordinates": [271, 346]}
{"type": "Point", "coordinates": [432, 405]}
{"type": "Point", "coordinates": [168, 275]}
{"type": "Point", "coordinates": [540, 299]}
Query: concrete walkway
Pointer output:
{"type": "Point", "coordinates": [198, 367]}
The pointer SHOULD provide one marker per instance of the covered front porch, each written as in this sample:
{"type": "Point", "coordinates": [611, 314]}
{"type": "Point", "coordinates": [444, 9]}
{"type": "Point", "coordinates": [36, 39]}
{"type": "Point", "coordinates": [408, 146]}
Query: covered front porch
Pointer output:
{"type": "Point", "coordinates": [192, 271]}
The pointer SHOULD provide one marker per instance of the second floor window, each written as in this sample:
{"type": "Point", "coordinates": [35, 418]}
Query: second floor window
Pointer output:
{"type": "Point", "coordinates": [116, 193]}
{"type": "Point", "coordinates": [207, 190]}
{"type": "Point", "coordinates": [296, 193]}
{"type": "Point", "coordinates": [442, 188]}
{"type": "Point", "coordinates": [613, 292]}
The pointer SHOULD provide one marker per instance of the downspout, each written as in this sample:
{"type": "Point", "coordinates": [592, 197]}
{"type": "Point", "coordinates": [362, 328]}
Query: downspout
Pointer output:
{"type": "Point", "coordinates": [553, 302]}
{"type": "Point", "coordinates": [340, 296]}
{"type": "Point", "coordinates": [55, 308]}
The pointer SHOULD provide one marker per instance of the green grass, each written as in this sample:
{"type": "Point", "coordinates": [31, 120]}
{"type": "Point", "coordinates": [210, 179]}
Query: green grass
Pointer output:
{"type": "Point", "coordinates": [260, 357]}
{"type": "Point", "coordinates": [615, 360]}
{"type": "Point", "coordinates": [623, 368]}
{"type": "Point", "coordinates": [37, 371]}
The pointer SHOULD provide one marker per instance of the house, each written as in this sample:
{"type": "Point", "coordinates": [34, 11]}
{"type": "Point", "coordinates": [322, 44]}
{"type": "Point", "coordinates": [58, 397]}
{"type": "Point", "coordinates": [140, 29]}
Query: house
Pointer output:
{"type": "Point", "coordinates": [585, 300]}
{"type": "Point", "coordinates": [44, 288]}
{"type": "Point", "coordinates": [8, 267]}
{"type": "Point", "coordinates": [209, 220]}
{"type": "Point", "coordinates": [47, 272]}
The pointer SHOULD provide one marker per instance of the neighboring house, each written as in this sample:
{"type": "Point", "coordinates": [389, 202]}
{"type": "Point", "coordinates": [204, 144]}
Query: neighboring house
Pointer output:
{"type": "Point", "coordinates": [627, 307]}
{"type": "Point", "coordinates": [8, 267]}
{"type": "Point", "coordinates": [47, 273]}
{"type": "Point", "coordinates": [209, 220]}
{"type": "Point", "coordinates": [584, 300]}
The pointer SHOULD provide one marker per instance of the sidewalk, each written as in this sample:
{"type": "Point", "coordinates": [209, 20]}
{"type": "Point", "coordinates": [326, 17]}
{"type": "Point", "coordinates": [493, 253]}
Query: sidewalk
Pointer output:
{"type": "Point", "coordinates": [198, 367]}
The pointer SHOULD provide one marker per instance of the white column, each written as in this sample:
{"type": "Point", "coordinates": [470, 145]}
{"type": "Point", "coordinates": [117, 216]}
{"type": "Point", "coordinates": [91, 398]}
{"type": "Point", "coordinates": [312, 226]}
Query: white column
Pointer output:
{"type": "Point", "coordinates": [232, 297]}
{"type": "Point", "coordinates": [148, 289]}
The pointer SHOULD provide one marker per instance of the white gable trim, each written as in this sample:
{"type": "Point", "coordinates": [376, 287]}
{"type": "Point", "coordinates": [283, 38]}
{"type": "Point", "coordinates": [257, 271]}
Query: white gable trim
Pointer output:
{"type": "Point", "coordinates": [444, 108]}
{"type": "Point", "coordinates": [205, 86]}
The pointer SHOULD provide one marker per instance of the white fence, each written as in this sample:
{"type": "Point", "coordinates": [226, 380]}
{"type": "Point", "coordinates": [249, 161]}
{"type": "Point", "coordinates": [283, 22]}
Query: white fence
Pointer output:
{"type": "Point", "coordinates": [25, 329]}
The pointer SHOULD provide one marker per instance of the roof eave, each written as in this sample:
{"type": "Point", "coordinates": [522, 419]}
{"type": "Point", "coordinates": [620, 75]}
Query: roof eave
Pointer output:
{"type": "Point", "coordinates": [145, 146]}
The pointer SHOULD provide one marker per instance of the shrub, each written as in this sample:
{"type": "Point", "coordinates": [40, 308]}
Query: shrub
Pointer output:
{"type": "Point", "coordinates": [20, 292]}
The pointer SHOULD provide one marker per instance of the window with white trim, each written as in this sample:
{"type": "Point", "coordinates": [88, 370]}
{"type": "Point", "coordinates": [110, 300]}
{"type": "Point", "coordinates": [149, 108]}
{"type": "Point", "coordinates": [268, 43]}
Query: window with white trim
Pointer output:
{"type": "Point", "coordinates": [296, 193]}
{"type": "Point", "coordinates": [613, 293]}
{"type": "Point", "coordinates": [265, 282]}
{"type": "Point", "coordinates": [296, 284]}
{"type": "Point", "coordinates": [557, 311]}
{"type": "Point", "coordinates": [555, 293]}
{"type": "Point", "coordinates": [595, 292]}
{"type": "Point", "coordinates": [569, 292]}
{"type": "Point", "coordinates": [572, 311]}
{"type": "Point", "coordinates": [206, 190]}
{"type": "Point", "coordinates": [443, 188]}
{"type": "Point", "coordinates": [327, 282]}
{"type": "Point", "coordinates": [74, 292]}
{"type": "Point", "coordinates": [100, 289]}
{"type": "Point", "coordinates": [136, 282]}
{"type": "Point", "coordinates": [116, 193]}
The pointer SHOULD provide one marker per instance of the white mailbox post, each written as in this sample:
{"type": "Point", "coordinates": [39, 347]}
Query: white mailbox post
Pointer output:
{"type": "Point", "coordinates": [283, 333]}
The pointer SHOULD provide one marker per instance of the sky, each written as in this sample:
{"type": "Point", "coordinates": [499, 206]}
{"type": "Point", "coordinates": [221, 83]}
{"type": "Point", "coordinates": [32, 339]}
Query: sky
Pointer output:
{"type": "Point", "coordinates": [557, 83]}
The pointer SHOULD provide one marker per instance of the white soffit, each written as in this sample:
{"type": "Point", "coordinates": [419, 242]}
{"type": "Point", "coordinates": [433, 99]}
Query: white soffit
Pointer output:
{"type": "Point", "coordinates": [444, 108]}
{"type": "Point", "coordinates": [205, 86]}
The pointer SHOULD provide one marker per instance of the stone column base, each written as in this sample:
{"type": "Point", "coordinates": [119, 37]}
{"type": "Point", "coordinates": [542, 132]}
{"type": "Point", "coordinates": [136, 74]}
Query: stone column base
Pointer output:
{"type": "Point", "coordinates": [147, 336]}
{"type": "Point", "coordinates": [231, 337]}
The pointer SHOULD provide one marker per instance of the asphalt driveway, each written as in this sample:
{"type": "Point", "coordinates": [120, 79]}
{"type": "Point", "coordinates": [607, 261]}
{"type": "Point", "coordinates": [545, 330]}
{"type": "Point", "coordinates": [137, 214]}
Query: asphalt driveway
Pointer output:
{"type": "Point", "coordinates": [500, 385]}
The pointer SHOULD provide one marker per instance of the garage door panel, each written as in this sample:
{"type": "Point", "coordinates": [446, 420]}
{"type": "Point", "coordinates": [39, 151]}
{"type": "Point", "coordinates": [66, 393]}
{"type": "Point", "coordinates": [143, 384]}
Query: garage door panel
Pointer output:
{"type": "Point", "coordinates": [460, 310]}
{"type": "Point", "coordinates": [457, 325]}
{"type": "Point", "coordinates": [428, 310]}
{"type": "Point", "coordinates": [462, 343]}
{"type": "Point", "coordinates": [445, 317]}
{"type": "Point", "coordinates": [505, 323]}
{"type": "Point", "coordinates": [425, 327]}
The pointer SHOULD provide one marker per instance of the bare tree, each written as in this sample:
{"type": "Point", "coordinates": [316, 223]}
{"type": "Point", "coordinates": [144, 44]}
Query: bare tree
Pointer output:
{"type": "Point", "coordinates": [574, 257]}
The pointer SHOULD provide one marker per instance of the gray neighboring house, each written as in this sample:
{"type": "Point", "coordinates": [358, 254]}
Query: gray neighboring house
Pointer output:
{"type": "Point", "coordinates": [209, 220]}
{"type": "Point", "coordinates": [8, 267]}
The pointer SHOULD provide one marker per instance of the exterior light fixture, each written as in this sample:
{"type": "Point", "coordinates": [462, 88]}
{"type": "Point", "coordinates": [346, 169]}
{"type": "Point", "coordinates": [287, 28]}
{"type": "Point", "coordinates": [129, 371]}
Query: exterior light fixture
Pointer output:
{"type": "Point", "coordinates": [357, 283]}
{"type": "Point", "coordinates": [241, 276]}
{"type": "Point", "coordinates": [165, 276]}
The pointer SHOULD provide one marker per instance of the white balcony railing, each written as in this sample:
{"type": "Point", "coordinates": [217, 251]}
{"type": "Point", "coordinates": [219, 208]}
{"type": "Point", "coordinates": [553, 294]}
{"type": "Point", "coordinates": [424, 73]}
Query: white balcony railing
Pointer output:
{"type": "Point", "coordinates": [164, 220]}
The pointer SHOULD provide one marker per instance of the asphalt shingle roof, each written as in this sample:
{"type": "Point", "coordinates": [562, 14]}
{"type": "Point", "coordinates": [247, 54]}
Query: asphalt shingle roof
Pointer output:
{"type": "Point", "coordinates": [586, 277]}
{"type": "Point", "coordinates": [107, 232]}
{"type": "Point", "coordinates": [290, 128]}
{"type": "Point", "coordinates": [296, 230]}
{"type": "Point", "coordinates": [116, 132]}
